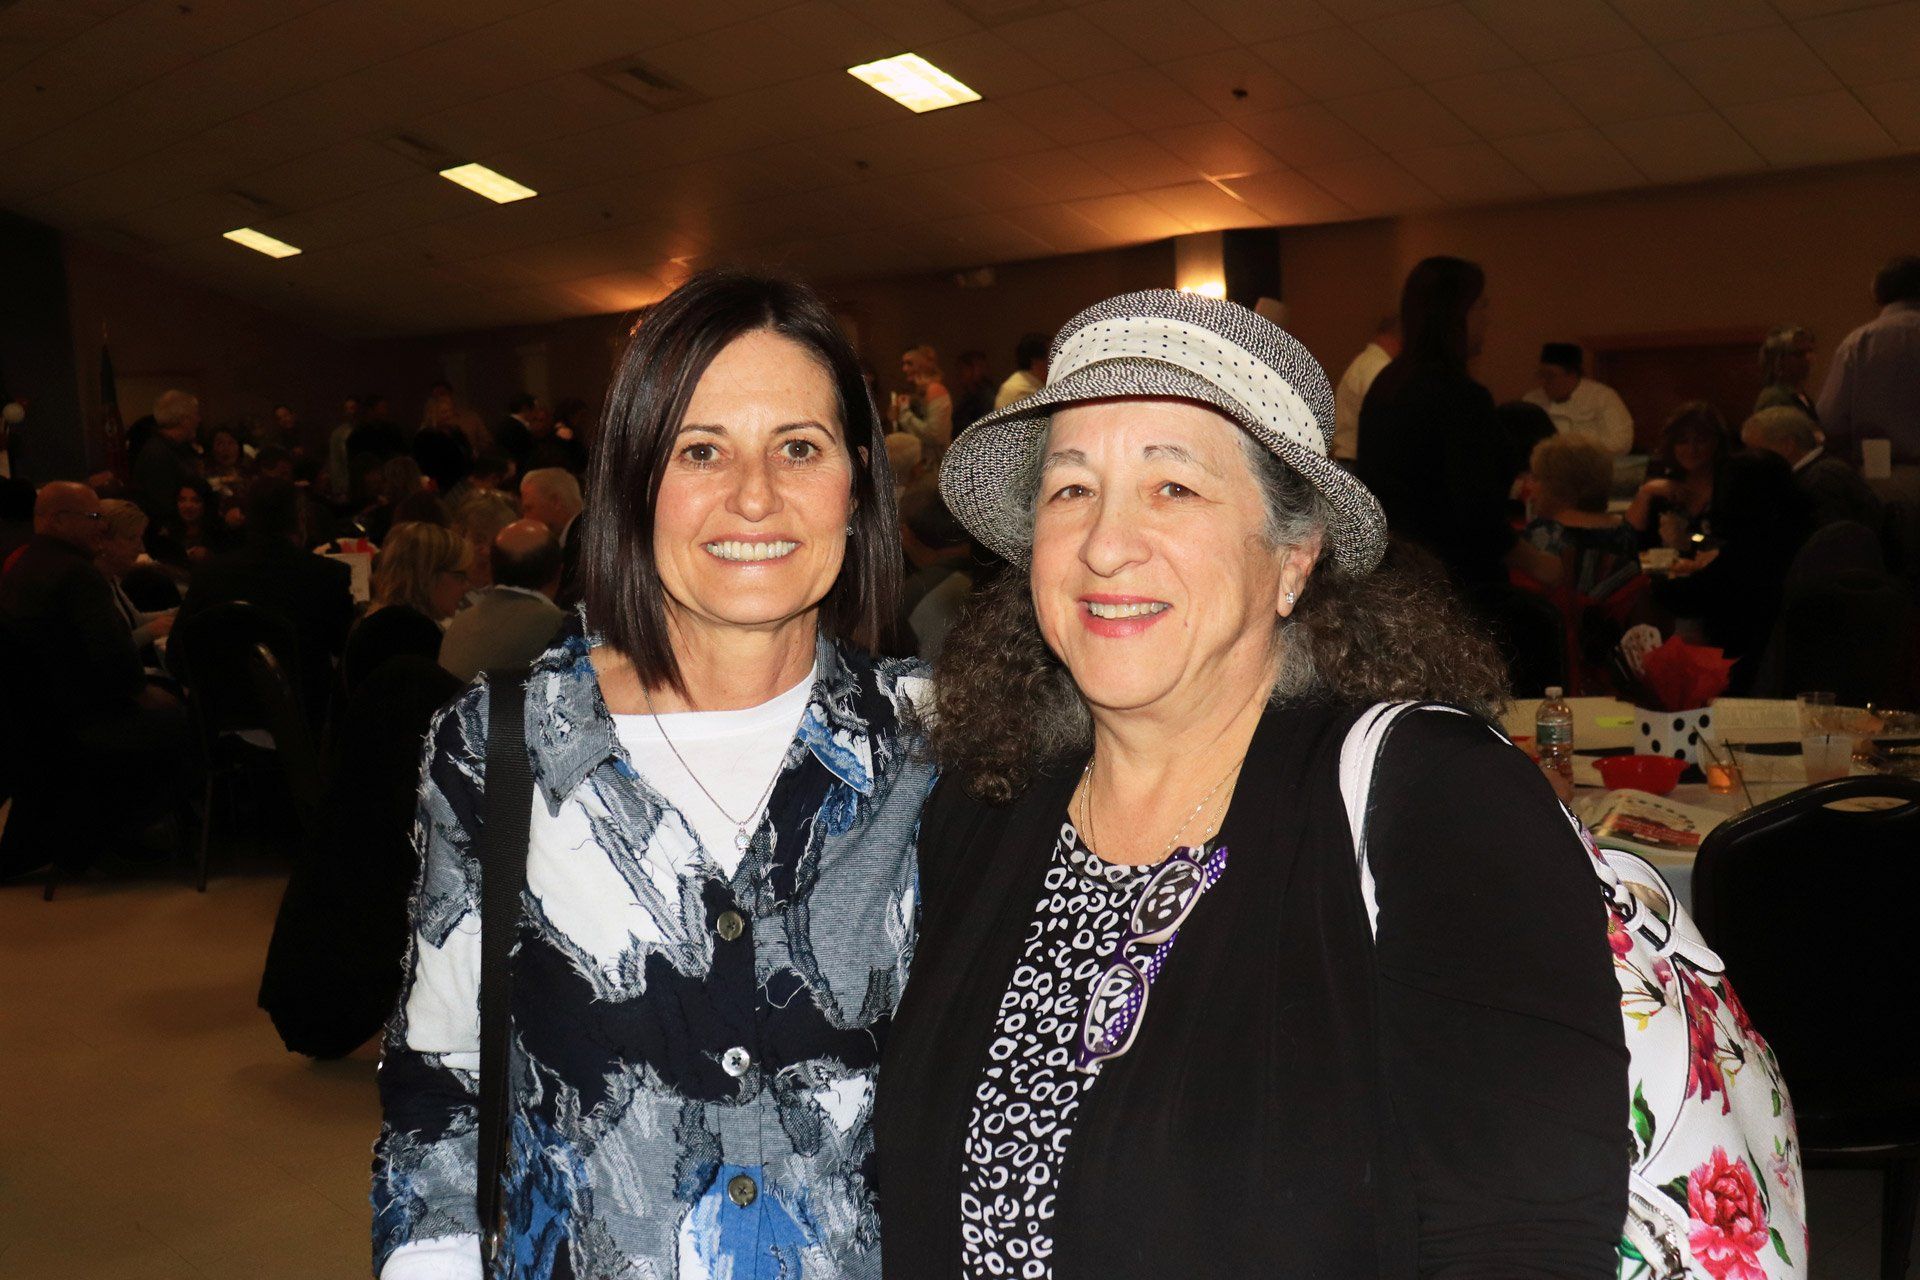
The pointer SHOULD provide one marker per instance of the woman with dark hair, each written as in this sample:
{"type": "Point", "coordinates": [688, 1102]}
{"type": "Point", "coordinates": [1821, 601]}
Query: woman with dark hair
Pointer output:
{"type": "Point", "coordinates": [1677, 502]}
{"type": "Point", "coordinates": [1162, 1024]}
{"type": "Point", "coordinates": [194, 530]}
{"type": "Point", "coordinates": [721, 891]}
{"type": "Point", "coordinates": [1431, 448]}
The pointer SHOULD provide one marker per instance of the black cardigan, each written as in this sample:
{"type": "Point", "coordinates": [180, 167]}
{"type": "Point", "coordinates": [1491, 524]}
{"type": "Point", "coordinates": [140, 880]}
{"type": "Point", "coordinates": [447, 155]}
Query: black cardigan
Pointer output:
{"type": "Point", "coordinates": [1302, 1100]}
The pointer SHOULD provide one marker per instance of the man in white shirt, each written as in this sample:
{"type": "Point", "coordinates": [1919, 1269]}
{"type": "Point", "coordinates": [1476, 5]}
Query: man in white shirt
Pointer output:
{"type": "Point", "coordinates": [1577, 404]}
{"type": "Point", "coordinates": [1354, 384]}
{"type": "Point", "coordinates": [1031, 356]}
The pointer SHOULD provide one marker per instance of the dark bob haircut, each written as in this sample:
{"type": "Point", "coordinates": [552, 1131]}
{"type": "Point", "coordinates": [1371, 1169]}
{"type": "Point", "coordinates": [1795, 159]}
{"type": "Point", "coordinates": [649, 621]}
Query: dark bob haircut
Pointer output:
{"type": "Point", "coordinates": [1433, 311]}
{"type": "Point", "coordinates": [664, 360]}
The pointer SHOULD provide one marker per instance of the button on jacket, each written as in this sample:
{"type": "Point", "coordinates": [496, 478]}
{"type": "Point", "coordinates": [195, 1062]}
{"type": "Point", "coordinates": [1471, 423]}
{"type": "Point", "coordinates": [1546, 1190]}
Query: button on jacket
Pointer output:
{"type": "Point", "coordinates": [693, 1053]}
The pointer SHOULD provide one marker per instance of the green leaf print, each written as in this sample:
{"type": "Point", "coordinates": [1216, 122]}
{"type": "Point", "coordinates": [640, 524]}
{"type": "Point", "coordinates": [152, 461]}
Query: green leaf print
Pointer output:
{"type": "Point", "coordinates": [1776, 1102]}
{"type": "Point", "coordinates": [1643, 1123]}
{"type": "Point", "coordinates": [1780, 1247]}
{"type": "Point", "coordinates": [1677, 1189]}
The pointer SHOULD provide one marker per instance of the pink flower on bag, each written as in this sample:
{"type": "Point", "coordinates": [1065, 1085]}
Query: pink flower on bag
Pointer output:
{"type": "Point", "coordinates": [1729, 1222]}
{"type": "Point", "coordinates": [1617, 936]}
{"type": "Point", "coordinates": [1663, 972]}
{"type": "Point", "coordinates": [1740, 1018]}
{"type": "Point", "coordinates": [1704, 1076]}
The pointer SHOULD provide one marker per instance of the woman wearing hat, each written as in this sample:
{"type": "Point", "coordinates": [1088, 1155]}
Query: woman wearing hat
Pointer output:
{"type": "Point", "coordinates": [1157, 1024]}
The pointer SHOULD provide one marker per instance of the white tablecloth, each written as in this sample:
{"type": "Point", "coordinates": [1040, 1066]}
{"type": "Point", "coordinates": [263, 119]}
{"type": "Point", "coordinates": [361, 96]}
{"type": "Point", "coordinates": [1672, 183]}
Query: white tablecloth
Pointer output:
{"type": "Point", "coordinates": [1604, 723]}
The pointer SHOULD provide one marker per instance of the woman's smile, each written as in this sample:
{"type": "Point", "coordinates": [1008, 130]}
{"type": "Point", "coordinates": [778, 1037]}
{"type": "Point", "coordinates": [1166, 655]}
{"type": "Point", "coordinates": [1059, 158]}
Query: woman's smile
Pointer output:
{"type": "Point", "coordinates": [1115, 617]}
{"type": "Point", "coordinates": [756, 550]}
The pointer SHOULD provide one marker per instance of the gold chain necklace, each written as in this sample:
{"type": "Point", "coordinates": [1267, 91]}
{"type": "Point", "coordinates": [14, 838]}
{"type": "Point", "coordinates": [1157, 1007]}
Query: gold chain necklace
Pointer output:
{"type": "Point", "coordinates": [1086, 808]}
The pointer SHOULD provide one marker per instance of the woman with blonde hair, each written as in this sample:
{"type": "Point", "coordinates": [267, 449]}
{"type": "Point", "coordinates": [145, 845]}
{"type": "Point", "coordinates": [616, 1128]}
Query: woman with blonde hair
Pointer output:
{"type": "Point", "coordinates": [419, 577]}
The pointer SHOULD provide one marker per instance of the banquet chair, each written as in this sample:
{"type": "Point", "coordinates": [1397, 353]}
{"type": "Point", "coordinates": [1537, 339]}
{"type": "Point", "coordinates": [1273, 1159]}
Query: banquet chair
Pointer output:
{"type": "Point", "coordinates": [1810, 905]}
{"type": "Point", "coordinates": [217, 654]}
{"type": "Point", "coordinates": [1845, 624]}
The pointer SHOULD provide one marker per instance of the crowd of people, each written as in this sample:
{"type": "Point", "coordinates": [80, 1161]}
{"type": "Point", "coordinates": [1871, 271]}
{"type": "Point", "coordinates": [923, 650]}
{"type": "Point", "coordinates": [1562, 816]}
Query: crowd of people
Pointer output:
{"type": "Point", "coordinates": [1546, 497]}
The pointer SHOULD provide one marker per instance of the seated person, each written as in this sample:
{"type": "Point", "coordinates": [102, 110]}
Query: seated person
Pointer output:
{"type": "Point", "coordinates": [272, 569]}
{"type": "Point", "coordinates": [82, 686]}
{"type": "Point", "coordinates": [938, 558]}
{"type": "Point", "coordinates": [1760, 520]}
{"type": "Point", "coordinates": [1677, 502]}
{"type": "Point", "coordinates": [478, 516]}
{"type": "Point", "coordinates": [1834, 488]}
{"type": "Point", "coordinates": [419, 577]}
{"type": "Point", "coordinates": [196, 529]}
{"type": "Point", "coordinates": [1567, 488]}
{"type": "Point", "coordinates": [510, 622]}
{"type": "Point", "coordinates": [123, 526]}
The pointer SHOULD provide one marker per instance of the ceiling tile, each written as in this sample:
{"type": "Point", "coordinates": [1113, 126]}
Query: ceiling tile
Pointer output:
{"type": "Point", "coordinates": [1794, 9]}
{"type": "Point", "coordinates": [1684, 148]}
{"type": "Point", "coordinates": [1060, 174]}
{"type": "Point", "coordinates": [1361, 10]}
{"type": "Point", "coordinates": [1682, 19]}
{"type": "Point", "coordinates": [1750, 66]}
{"type": "Point", "coordinates": [1307, 135]}
{"type": "Point", "coordinates": [1204, 207]}
{"type": "Point", "coordinates": [1372, 185]}
{"type": "Point", "coordinates": [1636, 84]}
{"type": "Point", "coordinates": [1331, 63]}
{"type": "Point", "coordinates": [1401, 119]}
{"type": "Point", "coordinates": [1285, 198]}
{"type": "Point", "coordinates": [1468, 173]}
{"type": "Point", "coordinates": [1503, 104]}
{"type": "Point", "coordinates": [1871, 46]}
{"type": "Point", "coordinates": [1137, 162]}
{"type": "Point", "coordinates": [1128, 219]}
{"type": "Point", "coordinates": [1896, 105]}
{"type": "Point", "coordinates": [1158, 30]}
{"type": "Point", "coordinates": [1065, 115]}
{"type": "Point", "coordinates": [1564, 29]}
{"type": "Point", "coordinates": [1821, 128]}
{"type": "Point", "coordinates": [986, 237]}
{"type": "Point", "coordinates": [1437, 43]}
{"type": "Point", "coordinates": [1068, 45]}
{"type": "Point", "coordinates": [1215, 149]}
{"type": "Point", "coordinates": [1233, 82]}
{"type": "Point", "coordinates": [1059, 226]}
{"type": "Point", "coordinates": [1571, 161]}
{"type": "Point", "coordinates": [1145, 98]}
{"type": "Point", "coordinates": [913, 22]}
{"type": "Point", "coordinates": [1252, 21]}
{"type": "Point", "coordinates": [986, 62]}
{"type": "Point", "coordinates": [994, 187]}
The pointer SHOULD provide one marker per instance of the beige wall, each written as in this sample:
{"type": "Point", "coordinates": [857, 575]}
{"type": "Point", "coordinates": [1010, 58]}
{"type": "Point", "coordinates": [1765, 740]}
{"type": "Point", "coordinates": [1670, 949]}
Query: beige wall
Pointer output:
{"type": "Point", "coordinates": [893, 314]}
{"type": "Point", "coordinates": [240, 359]}
{"type": "Point", "coordinates": [1741, 254]}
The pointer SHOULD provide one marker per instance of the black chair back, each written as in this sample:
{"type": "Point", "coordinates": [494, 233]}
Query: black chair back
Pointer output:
{"type": "Point", "coordinates": [210, 652]}
{"type": "Point", "coordinates": [1812, 908]}
{"type": "Point", "coordinates": [278, 705]}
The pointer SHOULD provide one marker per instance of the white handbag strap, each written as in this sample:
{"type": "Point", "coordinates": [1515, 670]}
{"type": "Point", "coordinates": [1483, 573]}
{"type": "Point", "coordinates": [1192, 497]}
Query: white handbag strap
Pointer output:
{"type": "Point", "coordinates": [1359, 760]}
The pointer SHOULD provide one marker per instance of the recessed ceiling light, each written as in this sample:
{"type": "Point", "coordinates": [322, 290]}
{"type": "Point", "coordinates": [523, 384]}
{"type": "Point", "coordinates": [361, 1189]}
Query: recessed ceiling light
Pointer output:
{"type": "Point", "coordinates": [497, 187]}
{"type": "Point", "coordinates": [260, 242]}
{"type": "Point", "coordinates": [913, 82]}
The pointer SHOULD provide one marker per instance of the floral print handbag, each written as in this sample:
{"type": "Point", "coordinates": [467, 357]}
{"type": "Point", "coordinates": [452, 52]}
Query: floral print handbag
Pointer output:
{"type": "Point", "coordinates": [1715, 1188]}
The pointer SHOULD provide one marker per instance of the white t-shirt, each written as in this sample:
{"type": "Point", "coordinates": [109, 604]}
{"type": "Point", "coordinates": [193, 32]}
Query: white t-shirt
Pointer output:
{"type": "Point", "coordinates": [1594, 411]}
{"type": "Point", "coordinates": [735, 753]}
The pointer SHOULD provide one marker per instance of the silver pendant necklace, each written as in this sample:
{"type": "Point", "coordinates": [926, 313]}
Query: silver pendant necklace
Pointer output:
{"type": "Point", "coordinates": [743, 827]}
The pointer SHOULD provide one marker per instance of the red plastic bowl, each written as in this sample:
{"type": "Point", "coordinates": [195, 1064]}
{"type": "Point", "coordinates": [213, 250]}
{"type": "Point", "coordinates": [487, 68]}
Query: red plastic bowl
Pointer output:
{"type": "Point", "coordinates": [1655, 774]}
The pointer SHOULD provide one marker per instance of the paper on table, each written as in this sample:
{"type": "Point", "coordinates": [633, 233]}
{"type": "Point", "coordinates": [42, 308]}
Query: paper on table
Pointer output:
{"type": "Point", "coordinates": [360, 565]}
{"type": "Point", "coordinates": [1755, 720]}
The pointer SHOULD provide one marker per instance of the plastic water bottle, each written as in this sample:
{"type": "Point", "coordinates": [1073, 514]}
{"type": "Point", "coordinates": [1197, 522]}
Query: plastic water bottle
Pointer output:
{"type": "Point", "coordinates": [1553, 734]}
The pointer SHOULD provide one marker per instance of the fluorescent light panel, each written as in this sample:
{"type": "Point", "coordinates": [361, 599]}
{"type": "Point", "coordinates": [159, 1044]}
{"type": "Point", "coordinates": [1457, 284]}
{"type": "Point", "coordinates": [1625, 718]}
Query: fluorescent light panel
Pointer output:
{"type": "Point", "coordinates": [260, 242]}
{"type": "Point", "coordinates": [480, 180]}
{"type": "Point", "coordinates": [913, 82]}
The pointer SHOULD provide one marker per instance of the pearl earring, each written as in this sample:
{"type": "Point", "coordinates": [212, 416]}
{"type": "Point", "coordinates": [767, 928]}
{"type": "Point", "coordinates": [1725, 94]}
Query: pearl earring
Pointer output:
{"type": "Point", "coordinates": [1290, 599]}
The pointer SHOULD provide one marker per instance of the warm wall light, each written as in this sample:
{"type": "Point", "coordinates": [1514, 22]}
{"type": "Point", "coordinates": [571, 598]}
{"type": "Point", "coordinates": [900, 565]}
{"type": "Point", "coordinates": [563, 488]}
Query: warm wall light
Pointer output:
{"type": "Point", "coordinates": [1207, 288]}
{"type": "Point", "coordinates": [480, 180]}
{"type": "Point", "coordinates": [913, 82]}
{"type": "Point", "coordinates": [260, 242]}
{"type": "Point", "coordinates": [1200, 264]}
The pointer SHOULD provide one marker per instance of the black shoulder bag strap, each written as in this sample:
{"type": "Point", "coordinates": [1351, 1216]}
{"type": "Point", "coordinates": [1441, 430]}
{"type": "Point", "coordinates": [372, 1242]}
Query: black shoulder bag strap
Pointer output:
{"type": "Point", "coordinates": [503, 878]}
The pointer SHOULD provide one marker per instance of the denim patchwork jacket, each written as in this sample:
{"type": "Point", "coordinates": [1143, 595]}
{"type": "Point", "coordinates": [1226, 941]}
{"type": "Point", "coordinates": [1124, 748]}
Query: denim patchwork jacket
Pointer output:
{"type": "Point", "coordinates": [693, 1054]}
